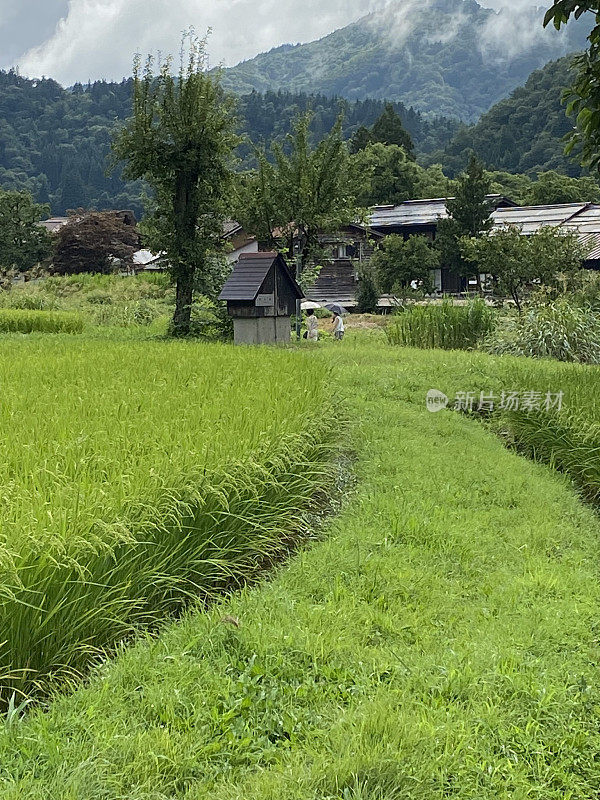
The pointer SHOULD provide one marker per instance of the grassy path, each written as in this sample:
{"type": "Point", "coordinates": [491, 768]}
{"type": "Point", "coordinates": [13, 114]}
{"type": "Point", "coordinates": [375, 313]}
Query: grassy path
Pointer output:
{"type": "Point", "coordinates": [441, 642]}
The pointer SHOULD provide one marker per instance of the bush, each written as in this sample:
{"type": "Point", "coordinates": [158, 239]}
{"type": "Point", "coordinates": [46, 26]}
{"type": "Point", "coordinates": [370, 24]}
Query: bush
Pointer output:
{"type": "Point", "coordinates": [367, 295]}
{"type": "Point", "coordinates": [14, 320]}
{"type": "Point", "coordinates": [446, 326]}
{"type": "Point", "coordinates": [559, 330]}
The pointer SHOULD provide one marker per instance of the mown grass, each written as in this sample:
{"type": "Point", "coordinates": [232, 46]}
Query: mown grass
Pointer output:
{"type": "Point", "coordinates": [27, 321]}
{"type": "Point", "coordinates": [138, 476]}
{"type": "Point", "coordinates": [446, 326]}
{"type": "Point", "coordinates": [441, 642]}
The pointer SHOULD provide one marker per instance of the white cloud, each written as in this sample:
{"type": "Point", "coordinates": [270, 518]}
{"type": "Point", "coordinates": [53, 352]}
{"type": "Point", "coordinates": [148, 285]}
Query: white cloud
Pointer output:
{"type": "Point", "coordinates": [98, 38]}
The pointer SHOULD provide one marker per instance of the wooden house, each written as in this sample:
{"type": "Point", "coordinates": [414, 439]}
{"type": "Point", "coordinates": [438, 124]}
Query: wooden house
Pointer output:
{"type": "Point", "coordinates": [345, 251]}
{"type": "Point", "coordinates": [421, 218]}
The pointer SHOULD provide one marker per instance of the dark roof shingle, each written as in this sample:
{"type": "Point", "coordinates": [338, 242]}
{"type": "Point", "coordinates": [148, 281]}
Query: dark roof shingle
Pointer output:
{"type": "Point", "coordinates": [249, 274]}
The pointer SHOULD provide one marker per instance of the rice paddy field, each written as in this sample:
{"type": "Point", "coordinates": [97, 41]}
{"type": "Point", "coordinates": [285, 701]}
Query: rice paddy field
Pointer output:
{"type": "Point", "coordinates": [138, 475]}
{"type": "Point", "coordinates": [436, 638]}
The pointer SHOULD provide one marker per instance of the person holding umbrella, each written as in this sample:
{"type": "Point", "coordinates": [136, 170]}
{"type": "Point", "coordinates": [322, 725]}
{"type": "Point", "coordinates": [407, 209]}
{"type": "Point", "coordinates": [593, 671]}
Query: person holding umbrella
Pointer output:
{"type": "Point", "coordinates": [338, 322]}
{"type": "Point", "coordinates": [312, 324]}
{"type": "Point", "coordinates": [338, 327]}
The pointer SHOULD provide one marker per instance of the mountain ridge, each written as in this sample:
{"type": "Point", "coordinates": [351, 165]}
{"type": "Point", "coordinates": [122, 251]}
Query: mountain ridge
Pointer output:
{"type": "Point", "coordinates": [452, 58]}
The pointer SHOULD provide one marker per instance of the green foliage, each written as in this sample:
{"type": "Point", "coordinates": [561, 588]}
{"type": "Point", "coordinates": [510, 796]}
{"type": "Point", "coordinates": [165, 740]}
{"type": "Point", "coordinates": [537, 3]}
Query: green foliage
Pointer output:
{"type": "Point", "coordinates": [523, 133]}
{"type": "Point", "coordinates": [446, 326]}
{"type": "Point", "coordinates": [389, 130]}
{"type": "Point", "coordinates": [584, 94]}
{"type": "Point", "coordinates": [303, 193]}
{"type": "Point", "coordinates": [180, 140]}
{"type": "Point", "coordinates": [559, 330]}
{"type": "Point", "coordinates": [23, 243]}
{"type": "Point", "coordinates": [270, 117]}
{"type": "Point", "coordinates": [515, 261]}
{"type": "Point", "coordinates": [552, 188]}
{"type": "Point", "coordinates": [440, 638]}
{"type": "Point", "coordinates": [399, 263]}
{"type": "Point", "coordinates": [28, 321]}
{"type": "Point", "coordinates": [583, 287]}
{"type": "Point", "coordinates": [385, 175]}
{"type": "Point", "coordinates": [443, 62]}
{"type": "Point", "coordinates": [368, 293]}
{"type": "Point", "coordinates": [102, 300]}
{"type": "Point", "coordinates": [117, 512]}
{"type": "Point", "coordinates": [57, 140]}
{"type": "Point", "coordinates": [548, 188]}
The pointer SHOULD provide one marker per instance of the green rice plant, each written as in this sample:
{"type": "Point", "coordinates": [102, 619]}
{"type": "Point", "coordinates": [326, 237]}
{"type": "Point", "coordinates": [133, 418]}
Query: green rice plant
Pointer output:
{"type": "Point", "coordinates": [142, 475]}
{"type": "Point", "coordinates": [560, 330]}
{"type": "Point", "coordinates": [447, 326]}
{"type": "Point", "coordinates": [13, 320]}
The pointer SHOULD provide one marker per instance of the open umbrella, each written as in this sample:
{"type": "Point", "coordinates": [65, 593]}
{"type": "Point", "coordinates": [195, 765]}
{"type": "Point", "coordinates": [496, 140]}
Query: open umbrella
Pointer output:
{"type": "Point", "coordinates": [336, 308]}
{"type": "Point", "coordinates": [308, 304]}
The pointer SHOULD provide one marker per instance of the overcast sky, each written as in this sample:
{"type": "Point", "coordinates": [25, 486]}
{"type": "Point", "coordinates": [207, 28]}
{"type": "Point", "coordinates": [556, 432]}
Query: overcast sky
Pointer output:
{"type": "Point", "coordinates": [77, 40]}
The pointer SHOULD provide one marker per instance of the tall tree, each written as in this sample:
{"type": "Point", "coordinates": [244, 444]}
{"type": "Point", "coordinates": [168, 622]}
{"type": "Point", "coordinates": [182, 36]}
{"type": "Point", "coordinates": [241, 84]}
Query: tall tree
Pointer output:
{"type": "Point", "coordinates": [180, 139]}
{"type": "Point", "coordinates": [360, 140]}
{"type": "Point", "coordinates": [585, 93]}
{"type": "Point", "coordinates": [303, 193]}
{"type": "Point", "coordinates": [469, 216]}
{"type": "Point", "coordinates": [23, 242]}
{"type": "Point", "coordinates": [389, 129]}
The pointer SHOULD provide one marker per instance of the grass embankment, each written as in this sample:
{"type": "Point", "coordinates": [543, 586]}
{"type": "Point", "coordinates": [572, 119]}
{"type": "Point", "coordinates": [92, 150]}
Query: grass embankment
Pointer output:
{"type": "Point", "coordinates": [142, 303]}
{"type": "Point", "coordinates": [441, 642]}
{"type": "Point", "coordinates": [136, 476]}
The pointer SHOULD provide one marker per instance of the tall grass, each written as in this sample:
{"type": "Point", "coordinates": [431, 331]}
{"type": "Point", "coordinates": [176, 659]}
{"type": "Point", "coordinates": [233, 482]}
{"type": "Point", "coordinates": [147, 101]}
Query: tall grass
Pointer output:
{"type": "Point", "coordinates": [446, 326]}
{"type": "Point", "coordinates": [137, 476]}
{"type": "Point", "coordinates": [568, 439]}
{"type": "Point", "coordinates": [28, 321]}
{"type": "Point", "coordinates": [103, 300]}
{"type": "Point", "coordinates": [559, 330]}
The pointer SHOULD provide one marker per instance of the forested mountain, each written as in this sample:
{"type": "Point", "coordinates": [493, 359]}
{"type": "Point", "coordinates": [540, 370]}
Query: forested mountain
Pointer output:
{"type": "Point", "coordinates": [56, 142]}
{"type": "Point", "coordinates": [447, 57]}
{"type": "Point", "coordinates": [524, 133]}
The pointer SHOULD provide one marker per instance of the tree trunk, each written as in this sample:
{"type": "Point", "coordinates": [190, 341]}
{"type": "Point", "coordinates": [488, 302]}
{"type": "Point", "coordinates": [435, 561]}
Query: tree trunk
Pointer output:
{"type": "Point", "coordinates": [185, 214]}
{"type": "Point", "coordinates": [515, 296]}
{"type": "Point", "coordinates": [184, 296]}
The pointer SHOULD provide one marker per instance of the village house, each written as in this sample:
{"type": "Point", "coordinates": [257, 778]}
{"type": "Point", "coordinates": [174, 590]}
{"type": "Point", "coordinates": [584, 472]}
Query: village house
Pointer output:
{"type": "Point", "coordinates": [582, 219]}
{"type": "Point", "coordinates": [421, 218]}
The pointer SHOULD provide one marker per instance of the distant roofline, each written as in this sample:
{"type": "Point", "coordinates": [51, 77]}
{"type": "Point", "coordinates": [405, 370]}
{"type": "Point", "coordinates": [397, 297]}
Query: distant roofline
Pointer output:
{"type": "Point", "coordinates": [582, 204]}
{"type": "Point", "coordinates": [444, 200]}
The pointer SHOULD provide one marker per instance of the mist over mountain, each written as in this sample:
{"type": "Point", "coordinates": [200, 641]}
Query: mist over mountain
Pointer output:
{"type": "Point", "coordinates": [448, 57]}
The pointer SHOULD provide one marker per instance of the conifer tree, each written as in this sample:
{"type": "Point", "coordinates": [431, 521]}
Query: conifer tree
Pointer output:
{"type": "Point", "coordinates": [389, 130]}
{"type": "Point", "coordinates": [469, 216]}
